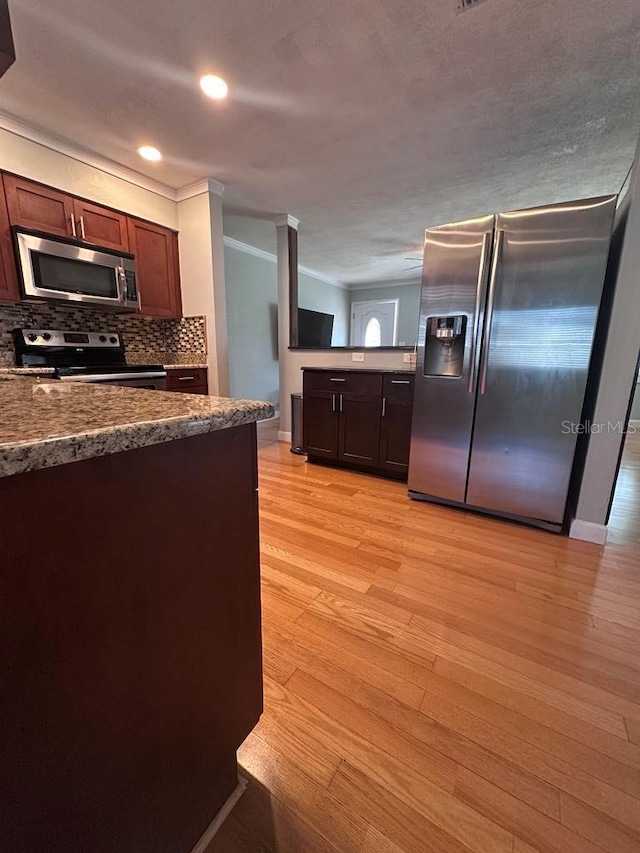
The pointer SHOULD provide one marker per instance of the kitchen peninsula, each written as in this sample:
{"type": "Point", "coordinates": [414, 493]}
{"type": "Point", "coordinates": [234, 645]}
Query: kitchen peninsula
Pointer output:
{"type": "Point", "coordinates": [130, 625]}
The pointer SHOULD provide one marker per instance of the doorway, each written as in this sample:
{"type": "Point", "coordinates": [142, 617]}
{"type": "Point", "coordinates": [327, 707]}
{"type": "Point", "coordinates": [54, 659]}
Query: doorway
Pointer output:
{"type": "Point", "coordinates": [624, 520]}
{"type": "Point", "coordinates": [374, 323]}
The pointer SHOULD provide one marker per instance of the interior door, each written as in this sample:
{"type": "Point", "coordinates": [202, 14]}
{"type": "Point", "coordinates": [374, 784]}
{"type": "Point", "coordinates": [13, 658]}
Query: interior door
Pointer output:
{"type": "Point", "coordinates": [456, 263]}
{"type": "Point", "coordinates": [374, 323]}
{"type": "Point", "coordinates": [546, 284]}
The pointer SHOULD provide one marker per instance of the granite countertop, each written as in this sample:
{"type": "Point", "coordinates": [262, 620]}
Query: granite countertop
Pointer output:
{"type": "Point", "coordinates": [28, 371]}
{"type": "Point", "coordinates": [187, 366]}
{"type": "Point", "coordinates": [362, 369]}
{"type": "Point", "coordinates": [44, 424]}
{"type": "Point", "coordinates": [46, 371]}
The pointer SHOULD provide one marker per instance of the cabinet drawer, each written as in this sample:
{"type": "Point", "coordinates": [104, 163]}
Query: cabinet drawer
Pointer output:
{"type": "Point", "coordinates": [343, 382]}
{"type": "Point", "coordinates": [186, 379]}
{"type": "Point", "coordinates": [398, 385]}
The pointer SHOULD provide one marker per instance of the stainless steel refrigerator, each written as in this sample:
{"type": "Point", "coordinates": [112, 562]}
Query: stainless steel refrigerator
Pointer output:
{"type": "Point", "coordinates": [508, 314]}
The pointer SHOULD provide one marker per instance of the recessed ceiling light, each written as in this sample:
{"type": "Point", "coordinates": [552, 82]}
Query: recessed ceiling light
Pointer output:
{"type": "Point", "coordinates": [148, 152]}
{"type": "Point", "coordinates": [214, 86]}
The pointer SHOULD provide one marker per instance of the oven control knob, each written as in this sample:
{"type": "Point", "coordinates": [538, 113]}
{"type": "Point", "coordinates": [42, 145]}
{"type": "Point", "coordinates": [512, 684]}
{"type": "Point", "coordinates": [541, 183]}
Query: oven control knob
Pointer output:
{"type": "Point", "coordinates": [32, 337]}
{"type": "Point", "coordinates": [113, 339]}
{"type": "Point", "coordinates": [46, 336]}
{"type": "Point", "coordinates": [103, 339]}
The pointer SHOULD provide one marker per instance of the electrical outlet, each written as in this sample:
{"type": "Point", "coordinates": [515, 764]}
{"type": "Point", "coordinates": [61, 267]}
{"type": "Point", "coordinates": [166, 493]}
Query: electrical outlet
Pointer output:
{"type": "Point", "coordinates": [357, 356]}
{"type": "Point", "coordinates": [407, 357]}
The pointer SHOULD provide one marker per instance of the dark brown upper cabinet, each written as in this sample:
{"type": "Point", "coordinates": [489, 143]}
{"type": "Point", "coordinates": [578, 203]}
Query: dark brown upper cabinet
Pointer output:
{"type": "Point", "coordinates": [156, 252]}
{"type": "Point", "coordinates": [9, 290]}
{"type": "Point", "coordinates": [100, 225]}
{"type": "Point", "coordinates": [36, 206]}
{"type": "Point", "coordinates": [42, 208]}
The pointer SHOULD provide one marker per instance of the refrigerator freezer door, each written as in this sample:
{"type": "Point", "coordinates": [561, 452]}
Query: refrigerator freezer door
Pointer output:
{"type": "Point", "coordinates": [455, 271]}
{"type": "Point", "coordinates": [537, 343]}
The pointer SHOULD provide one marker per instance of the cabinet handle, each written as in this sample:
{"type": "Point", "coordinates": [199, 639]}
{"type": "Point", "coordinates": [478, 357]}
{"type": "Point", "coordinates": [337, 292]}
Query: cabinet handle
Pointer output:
{"type": "Point", "coordinates": [337, 380]}
{"type": "Point", "coordinates": [333, 402]}
{"type": "Point", "coordinates": [82, 231]}
{"type": "Point", "coordinates": [401, 382]}
{"type": "Point", "coordinates": [186, 378]}
{"type": "Point", "coordinates": [341, 402]}
{"type": "Point", "coordinates": [384, 406]}
{"type": "Point", "coordinates": [73, 225]}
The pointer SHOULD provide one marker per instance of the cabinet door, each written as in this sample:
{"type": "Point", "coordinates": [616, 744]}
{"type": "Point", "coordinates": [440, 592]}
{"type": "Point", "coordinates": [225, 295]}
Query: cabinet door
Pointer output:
{"type": "Point", "coordinates": [101, 225]}
{"type": "Point", "coordinates": [359, 432]}
{"type": "Point", "coordinates": [9, 289]}
{"type": "Point", "coordinates": [35, 206]}
{"type": "Point", "coordinates": [395, 429]}
{"type": "Point", "coordinates": [320, 424]}
{"type": "Point", "coordinates": [188, 380]}
{"type": "Point", "coordinates": [155, 249]}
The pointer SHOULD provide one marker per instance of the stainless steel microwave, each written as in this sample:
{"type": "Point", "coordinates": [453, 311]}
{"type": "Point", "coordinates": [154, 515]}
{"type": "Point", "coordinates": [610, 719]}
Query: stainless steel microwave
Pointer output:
{"type": "Point", "coordinates": [67, 271]}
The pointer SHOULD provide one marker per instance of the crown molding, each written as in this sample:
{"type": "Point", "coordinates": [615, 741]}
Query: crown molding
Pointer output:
{"type": "Point", "coordinates": [269, 256]}
{"type": "Point", "coordinates": [14, 125]}
{"type": "Point", "coordinates": [206, 185]}
{"type": "Point", "coordinates": [286, 219]}
{"type": "Point", "coordinates": [376, 285]}
{"type": "Point", "coordinates": [250, 250]}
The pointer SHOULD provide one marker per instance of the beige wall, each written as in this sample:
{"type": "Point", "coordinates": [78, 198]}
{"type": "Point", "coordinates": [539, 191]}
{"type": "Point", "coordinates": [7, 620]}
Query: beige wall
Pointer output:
{"type": "Point", "coordinates": [202, 277]}
{"type": "Point", "coordinates": [40, 163]}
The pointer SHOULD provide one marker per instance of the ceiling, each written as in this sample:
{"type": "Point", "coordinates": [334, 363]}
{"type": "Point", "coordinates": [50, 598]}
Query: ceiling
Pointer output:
{"type": "Point", "coordinates": [366, 119]}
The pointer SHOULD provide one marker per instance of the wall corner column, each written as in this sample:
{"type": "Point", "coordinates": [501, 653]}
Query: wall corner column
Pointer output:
{"type": "Point", "coordinates": [201, 240]}
{"type": "Point", "coordinates": [287, 254]}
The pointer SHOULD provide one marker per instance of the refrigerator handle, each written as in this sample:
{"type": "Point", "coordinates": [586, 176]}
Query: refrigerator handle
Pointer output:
{"type": "Point", "coordinates": [486, 335]}
{"type": "Point", "coordinates": [482, 279]}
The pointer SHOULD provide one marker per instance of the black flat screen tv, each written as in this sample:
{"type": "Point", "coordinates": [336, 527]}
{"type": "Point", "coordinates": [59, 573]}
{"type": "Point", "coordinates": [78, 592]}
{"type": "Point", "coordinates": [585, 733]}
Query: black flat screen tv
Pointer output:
{"type": "Point", "coordinates": [315, 329]}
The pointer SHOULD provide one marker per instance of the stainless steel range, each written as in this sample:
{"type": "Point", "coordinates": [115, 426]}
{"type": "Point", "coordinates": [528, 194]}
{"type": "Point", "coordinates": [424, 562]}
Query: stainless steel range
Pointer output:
{"type": "Point", "coordinates": [96, 357]}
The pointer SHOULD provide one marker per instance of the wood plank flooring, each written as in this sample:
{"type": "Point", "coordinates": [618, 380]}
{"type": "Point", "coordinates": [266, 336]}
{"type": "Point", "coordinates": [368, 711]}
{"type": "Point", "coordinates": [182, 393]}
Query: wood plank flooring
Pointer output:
{"type": "Point", "coordinates": [438, 682]}
{"type": "Point", "coordinates": [624, 524]}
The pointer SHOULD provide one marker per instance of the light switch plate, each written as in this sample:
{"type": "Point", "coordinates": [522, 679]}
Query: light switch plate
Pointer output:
{"type": "Point", "coordinates": [357, 356]}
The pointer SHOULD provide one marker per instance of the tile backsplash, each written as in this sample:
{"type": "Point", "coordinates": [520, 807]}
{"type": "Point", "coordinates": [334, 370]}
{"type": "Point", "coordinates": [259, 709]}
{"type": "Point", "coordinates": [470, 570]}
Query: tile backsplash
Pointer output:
{"type": "Point", "coordinates": [150, 340]}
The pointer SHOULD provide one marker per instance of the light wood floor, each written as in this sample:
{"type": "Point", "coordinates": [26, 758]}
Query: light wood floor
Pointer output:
{"type": "Point", "coordinates": [624, 524]}
{"type": "Point", "coordinates": [436, 682]}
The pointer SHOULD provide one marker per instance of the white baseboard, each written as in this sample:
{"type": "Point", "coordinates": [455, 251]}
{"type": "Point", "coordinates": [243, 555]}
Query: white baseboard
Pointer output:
{"type": "Point", "coordinates": [220, 818]}
{"type": "Point", "coordinates": [588, 531]}
{"type": "Point", "coordinates": [284, 436]}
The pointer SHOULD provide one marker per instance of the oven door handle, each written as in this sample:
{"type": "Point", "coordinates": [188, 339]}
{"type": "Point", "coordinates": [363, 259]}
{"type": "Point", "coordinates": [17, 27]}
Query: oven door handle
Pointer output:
{"type": "Point", "coordinates": [110, 377]}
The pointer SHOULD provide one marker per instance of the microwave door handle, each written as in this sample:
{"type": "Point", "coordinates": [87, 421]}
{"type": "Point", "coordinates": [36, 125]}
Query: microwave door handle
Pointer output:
{"type": "Point", "coordinates": [122, 285]}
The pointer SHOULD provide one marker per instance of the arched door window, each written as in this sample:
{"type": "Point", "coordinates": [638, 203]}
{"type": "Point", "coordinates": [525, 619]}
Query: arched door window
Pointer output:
{"type": "Point", "coordinates": [373, 333]}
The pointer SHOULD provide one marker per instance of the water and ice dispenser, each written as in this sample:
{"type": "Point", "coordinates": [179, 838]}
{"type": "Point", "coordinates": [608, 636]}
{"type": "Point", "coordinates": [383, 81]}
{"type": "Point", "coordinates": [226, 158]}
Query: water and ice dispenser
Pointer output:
{"type": "Point", "coordinates": [444, 345]}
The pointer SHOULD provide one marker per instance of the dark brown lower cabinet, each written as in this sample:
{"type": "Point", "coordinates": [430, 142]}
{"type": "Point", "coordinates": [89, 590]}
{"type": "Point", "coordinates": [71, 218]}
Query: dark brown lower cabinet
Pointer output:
{"type": "Point", "coordinates": [395, 429]}
{"type": "Point", "coordinates": [321, 424]}
{"type": "Point", "coordinates": [188, 380]}
{"type": "Point", "coordinates": [358, 419]}
{"type": "Point", "coordinates": [131, 663]}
